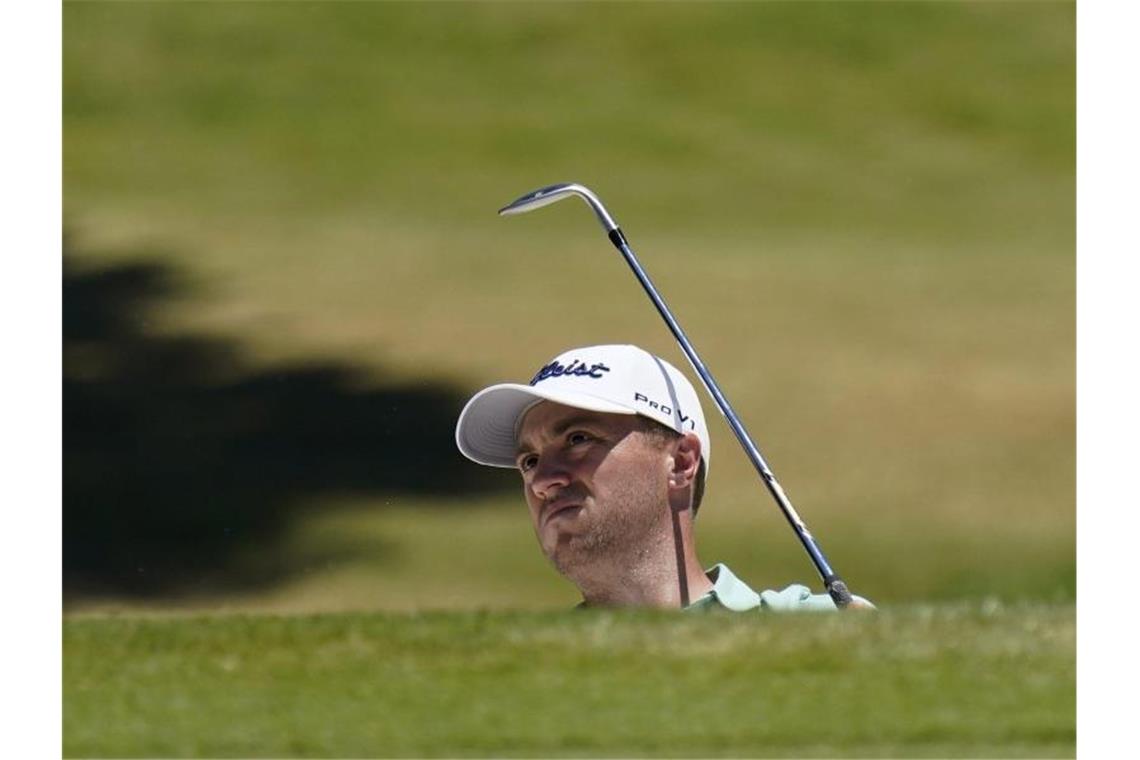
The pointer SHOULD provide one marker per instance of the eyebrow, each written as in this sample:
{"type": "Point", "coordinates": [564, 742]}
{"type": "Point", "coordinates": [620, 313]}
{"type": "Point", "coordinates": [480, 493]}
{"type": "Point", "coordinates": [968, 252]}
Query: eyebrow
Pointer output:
{"type": "Point", "coordinates": [562, 427]}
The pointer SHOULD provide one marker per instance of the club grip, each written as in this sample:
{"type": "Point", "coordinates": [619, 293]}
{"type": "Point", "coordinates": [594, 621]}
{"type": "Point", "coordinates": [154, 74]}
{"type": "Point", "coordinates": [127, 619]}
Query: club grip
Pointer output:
{"type": "Point", "coordinates": [838, 591]}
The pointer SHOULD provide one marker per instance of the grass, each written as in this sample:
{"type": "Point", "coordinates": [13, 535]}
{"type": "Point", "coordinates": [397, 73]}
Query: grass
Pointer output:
{"type": "Point", "coordinates": [916, 681]}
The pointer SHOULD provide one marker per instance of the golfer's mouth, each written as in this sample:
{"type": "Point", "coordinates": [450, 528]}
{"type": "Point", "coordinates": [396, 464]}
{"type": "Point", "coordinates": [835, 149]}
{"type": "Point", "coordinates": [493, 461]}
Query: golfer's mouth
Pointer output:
{"type": "Point", "coordinates": [558, 509]}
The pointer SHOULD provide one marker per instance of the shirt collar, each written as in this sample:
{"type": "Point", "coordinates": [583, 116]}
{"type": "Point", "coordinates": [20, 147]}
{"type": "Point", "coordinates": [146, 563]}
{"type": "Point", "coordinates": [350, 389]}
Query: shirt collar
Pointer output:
{"type": "Point", "coordinates": [728, 591]}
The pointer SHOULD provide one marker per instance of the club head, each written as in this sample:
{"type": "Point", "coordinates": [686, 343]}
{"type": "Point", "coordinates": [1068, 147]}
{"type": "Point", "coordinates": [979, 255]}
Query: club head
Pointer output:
{"type": "Point", "coordinates": [552, 194]}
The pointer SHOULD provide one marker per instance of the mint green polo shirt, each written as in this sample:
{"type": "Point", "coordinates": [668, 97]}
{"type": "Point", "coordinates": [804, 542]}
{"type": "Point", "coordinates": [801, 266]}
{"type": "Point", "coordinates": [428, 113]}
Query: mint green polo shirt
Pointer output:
{"type": "Point", "coordinates": [731, 593]}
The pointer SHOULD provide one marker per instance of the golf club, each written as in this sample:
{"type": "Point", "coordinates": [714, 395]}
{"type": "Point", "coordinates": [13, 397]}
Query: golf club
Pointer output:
{"type": "Point", "coordinates": [836, 588]}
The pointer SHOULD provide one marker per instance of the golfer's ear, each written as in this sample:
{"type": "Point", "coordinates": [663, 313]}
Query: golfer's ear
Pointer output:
{"type": "Point", "coordinates": [686, 459]}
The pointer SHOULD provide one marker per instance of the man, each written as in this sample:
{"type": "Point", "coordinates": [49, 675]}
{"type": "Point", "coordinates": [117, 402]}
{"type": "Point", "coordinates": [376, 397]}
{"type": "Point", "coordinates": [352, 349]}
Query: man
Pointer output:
{"type": "Point", "coordinates": [613, 450]}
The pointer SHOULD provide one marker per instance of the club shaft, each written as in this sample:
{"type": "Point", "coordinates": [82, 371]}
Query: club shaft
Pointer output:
{"type": "Point", "coordinates": [834, 584]}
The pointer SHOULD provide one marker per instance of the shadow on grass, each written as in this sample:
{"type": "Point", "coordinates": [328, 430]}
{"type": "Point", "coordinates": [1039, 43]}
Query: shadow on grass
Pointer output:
{"type": "Point", "coordinates": [180, 460]}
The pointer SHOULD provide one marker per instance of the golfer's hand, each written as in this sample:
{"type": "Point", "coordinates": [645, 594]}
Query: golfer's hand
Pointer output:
{"type": "Point", "coordinates": [859, 603]}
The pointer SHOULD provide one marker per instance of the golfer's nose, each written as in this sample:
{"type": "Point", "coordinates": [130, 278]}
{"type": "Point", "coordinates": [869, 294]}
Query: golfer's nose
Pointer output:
{"type": "Point", "coordinates": [550, 475]}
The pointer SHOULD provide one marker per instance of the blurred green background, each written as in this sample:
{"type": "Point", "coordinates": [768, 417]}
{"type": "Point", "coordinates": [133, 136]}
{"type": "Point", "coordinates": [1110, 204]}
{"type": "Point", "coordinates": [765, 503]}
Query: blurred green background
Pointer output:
{"type": "Point", "coordinates": [284, 275]}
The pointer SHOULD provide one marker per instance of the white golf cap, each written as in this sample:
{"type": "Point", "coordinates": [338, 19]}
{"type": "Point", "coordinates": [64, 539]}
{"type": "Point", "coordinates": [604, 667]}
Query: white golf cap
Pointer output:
{"type": "Point", "coordinates": [612, 379]}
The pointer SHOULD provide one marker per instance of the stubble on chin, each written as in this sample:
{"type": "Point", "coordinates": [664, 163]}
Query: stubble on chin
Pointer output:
{"type": "Point", "coordinates": [574, 552]}
{"type": "Point", "coordinates": [609, 544]}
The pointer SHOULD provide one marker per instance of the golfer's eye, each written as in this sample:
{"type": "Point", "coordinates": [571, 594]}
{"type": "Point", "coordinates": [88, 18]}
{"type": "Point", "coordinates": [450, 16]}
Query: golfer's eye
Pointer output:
{"type": "Point", "coordinates": [578, 437]}
{"type": "Point", "coordinates": [527, 461]}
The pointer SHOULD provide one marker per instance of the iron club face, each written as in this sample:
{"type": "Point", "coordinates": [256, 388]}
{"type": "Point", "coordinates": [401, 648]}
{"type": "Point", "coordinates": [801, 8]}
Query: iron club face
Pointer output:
{"type": "Point", "coordinates": [544, 196]}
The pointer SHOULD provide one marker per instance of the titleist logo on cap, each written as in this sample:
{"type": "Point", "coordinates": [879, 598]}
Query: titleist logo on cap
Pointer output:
{"type": "Point", "coordinates": [576, 368]}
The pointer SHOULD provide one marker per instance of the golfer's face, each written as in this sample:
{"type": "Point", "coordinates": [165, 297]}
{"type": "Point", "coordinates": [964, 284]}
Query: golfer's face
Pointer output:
{"type": "Point", "coordinates": [584, 473]}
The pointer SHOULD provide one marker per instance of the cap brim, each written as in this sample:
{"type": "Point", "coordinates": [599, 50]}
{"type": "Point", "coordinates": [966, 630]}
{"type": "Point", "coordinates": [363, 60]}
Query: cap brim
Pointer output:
{"type": "Point", "coordinates": [487, 431]}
